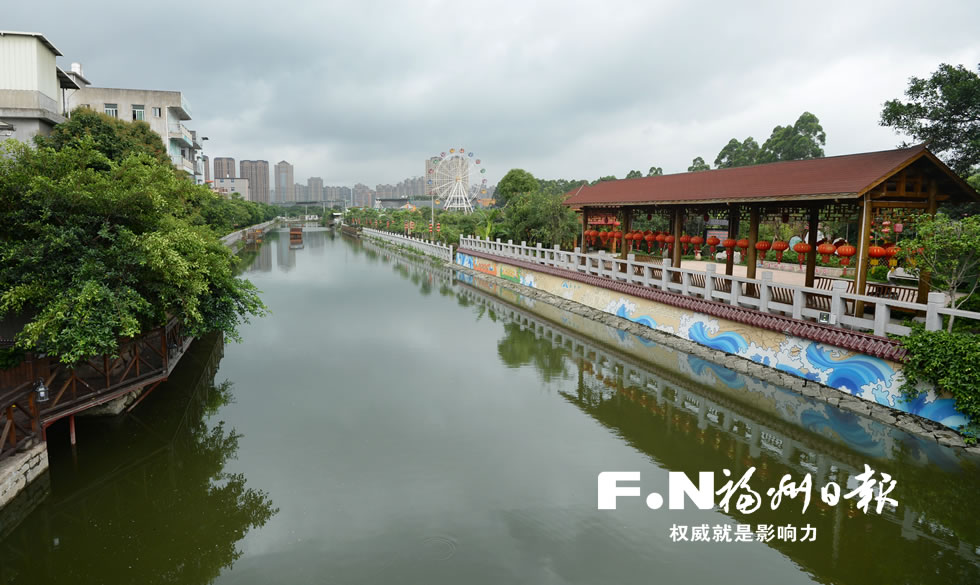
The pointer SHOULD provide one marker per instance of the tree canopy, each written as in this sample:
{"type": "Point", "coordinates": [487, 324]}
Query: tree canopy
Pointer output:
{"type": "Point", "coordinates": [698, 164]}
{"type": "Point", "coordinates": [945, 110]}
{"type": "Point", "coordinates": [804, 139]}
{"type": "Point", "coordinates": [114, 138]}
{"type": "Point", "coordinates": [655, 172]}
{"type": "Point", "coordinates": [93, 249]}
{"type": "Point", "coordinates": [516, 181]}
{"type": "Point", "coordinates": [634, 175]}
{"type": "Point", "coordinates": [738, 154]}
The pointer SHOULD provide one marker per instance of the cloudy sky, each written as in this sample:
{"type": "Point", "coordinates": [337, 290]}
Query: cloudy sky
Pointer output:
{"type": "Point", "coordinates": [364, 91]}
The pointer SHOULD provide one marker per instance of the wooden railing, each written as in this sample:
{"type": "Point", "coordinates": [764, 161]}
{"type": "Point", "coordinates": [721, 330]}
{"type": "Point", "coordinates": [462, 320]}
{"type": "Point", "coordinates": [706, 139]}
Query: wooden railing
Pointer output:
{"type": "Point", "coordinates": [138, 362]}
{"type": "Point", "coordinates": [835, 305]}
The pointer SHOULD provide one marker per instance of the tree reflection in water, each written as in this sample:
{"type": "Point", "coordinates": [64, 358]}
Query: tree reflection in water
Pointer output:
{"type": "Point", "coordinates": [150, 499]}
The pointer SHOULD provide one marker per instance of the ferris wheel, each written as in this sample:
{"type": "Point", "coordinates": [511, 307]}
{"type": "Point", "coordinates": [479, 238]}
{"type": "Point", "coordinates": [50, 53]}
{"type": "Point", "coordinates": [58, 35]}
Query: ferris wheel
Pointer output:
{"type": "Point", "coordinates": [457, 177]}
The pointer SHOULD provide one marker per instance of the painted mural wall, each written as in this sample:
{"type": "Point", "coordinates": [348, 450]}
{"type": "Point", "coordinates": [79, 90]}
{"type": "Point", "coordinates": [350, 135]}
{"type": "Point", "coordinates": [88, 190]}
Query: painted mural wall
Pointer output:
{"type": "Point", "coordinates": [867, 377]}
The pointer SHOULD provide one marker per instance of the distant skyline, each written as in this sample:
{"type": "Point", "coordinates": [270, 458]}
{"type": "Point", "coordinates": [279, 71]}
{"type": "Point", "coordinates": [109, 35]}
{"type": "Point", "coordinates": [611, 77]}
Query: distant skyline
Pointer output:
{"type": "Point", "coordinates": [364, 92]}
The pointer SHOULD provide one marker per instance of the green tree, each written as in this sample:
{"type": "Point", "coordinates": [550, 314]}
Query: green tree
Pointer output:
{"type": "Point", "coordinates": [634, 175]}
{"type": "Point", "coordinates": [738, 154]}
{"type": "Point", "coordinates": [93, 250]}
{"type": "Point", "coordinates": [604, 179]}
{"type": "Point", "coordinates": [949, 250]}
{"type": "Point", "coordinates": [698, 164]}
{"type": "Point", "coordinates": [114, 138]}
{"type": "Point", "coordinates": [655, 172]}
{"type": "Point", "coordinates": [802, 140]}
{"type": "Point", "coordinates": [945, 110]}
{"type": "Point", "coordinates": [515, 182]}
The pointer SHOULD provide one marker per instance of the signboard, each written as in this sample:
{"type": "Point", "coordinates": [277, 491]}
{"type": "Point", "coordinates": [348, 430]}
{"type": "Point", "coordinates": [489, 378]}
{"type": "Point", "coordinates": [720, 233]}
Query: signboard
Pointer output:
{"type": "Point", "coordinates": [720, 234]}
{"type": "Point", "coordinates": [596, 218]}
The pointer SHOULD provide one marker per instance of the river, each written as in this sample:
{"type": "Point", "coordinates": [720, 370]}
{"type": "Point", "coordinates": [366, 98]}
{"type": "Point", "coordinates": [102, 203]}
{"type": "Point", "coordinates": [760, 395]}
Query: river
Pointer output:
{"type": "Point", "coordinates": [396, 422]}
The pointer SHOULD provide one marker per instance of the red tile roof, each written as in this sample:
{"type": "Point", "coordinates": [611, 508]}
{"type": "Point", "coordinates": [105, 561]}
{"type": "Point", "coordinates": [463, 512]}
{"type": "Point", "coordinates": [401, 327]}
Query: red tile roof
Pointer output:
{"type": "Point", "coordinates": [835, 177]}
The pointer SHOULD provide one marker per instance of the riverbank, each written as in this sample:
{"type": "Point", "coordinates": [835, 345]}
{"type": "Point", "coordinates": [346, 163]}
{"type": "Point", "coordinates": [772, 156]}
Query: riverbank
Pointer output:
{"type": "Point", "coordinates": [906, 421]}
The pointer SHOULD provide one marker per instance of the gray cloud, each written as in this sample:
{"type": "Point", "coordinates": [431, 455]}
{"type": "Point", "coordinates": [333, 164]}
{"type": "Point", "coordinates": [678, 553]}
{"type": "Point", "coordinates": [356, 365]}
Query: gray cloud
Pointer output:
{"type": "Point", "coordinates": [365, 91]}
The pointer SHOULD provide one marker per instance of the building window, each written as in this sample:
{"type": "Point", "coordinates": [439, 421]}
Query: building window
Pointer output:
{"type": "Point", "coordinates": [139, 113]}
{"type": "Point", "coordinates": [156, 112]}
{"type": "Point", "coordinates": [112, 110]}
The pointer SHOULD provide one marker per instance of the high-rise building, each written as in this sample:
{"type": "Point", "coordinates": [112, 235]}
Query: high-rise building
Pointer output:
{"type": "Point", "coordinates": [285, 188]}
{"type": "Point", "coordinates": [224, 167]}
{"type": "Point", "coordinates": [363, 196]}
{"type": "Point", "coordinates": [257, 173]}
{"type": "Point", "coordinates": [315, 187]}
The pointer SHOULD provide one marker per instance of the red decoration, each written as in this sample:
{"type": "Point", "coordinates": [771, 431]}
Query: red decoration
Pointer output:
{"type": "Point", "coordinates": [763, 247]}
{"type": "Point", "coordinates": [604, 236]}
{"type": "Point", "coordinates": [779, 247]}
{"type": "Point", "coordinates": [712, 242]}
{"type": "Point", "coordinates": [729, 245]}
{"type": "Point", "coordinates": [660, 240]}
{"type": "Point", "coordinates": [891, 252]}
{"type": "Point", "coordinates": [696, 242]}
{"type": "Point", "coordinates": [744, 245]}
{"type": "Point", "coordinates": [649, 239]}
{"type": "Point", "coordinates": [669, 240]}
{"type": "Point", "coordinates": [686, 242]}
{"type": "Point", "coordinates": [826, 250]}
{"type": "Point", "coordinates": [802, 249]}
{"type": "Point", "coordinates": [845, 251]}
{"type": "Point", "coordinates": [876, 252]}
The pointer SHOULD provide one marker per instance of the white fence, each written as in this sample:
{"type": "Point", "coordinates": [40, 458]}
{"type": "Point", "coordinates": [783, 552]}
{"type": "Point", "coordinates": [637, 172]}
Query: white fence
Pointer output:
{"type": "Point", "coordinates": [834, 307]}
{"type": "Point", "coordinates": [441, 251]}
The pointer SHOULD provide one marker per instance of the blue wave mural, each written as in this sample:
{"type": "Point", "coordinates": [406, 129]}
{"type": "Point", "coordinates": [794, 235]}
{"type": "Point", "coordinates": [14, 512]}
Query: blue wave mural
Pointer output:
{"type": "Point", "coordinates": [729, 342]}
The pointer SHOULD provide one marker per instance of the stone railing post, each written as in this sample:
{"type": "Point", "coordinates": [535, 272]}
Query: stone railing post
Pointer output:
{"type": "Point", "coordinates": [765, 293]}
{"type": "Point", "coordinates": [836, 302]}
{"type": "Point", "coordinates": [709, 281]}
{"type": "Point", "coordinates": [934, 322]}
{"type": "Point", "coordinates": [664, 273]}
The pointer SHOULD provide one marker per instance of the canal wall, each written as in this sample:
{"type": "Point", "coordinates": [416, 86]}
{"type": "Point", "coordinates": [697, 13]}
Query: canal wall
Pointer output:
{"type": "Point", "coordinates": [854, 380]}
{"type": "Point", "coordinates": [18, 487]}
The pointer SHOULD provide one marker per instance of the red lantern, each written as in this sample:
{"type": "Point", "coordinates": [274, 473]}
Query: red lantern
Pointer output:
{"type": "Point", "coordinates": [660, 240]}
{"type": "Point", "coordinates": [876, 252]}
{"type": "Point", "coordinates": [744, 245]}
{"type": "Point", "coordinates": [686, 242]}
{"type": "Point", "coordinates": [891, 252]}
{"type": "Point", "coordinates": [779, 247]}
{"type": "Point", "coordinates": [696, 242]}
{"type": "Point", "coordinates": [604, 236]}
{"type": "Point", "coordinates": [802, 249]}
{"type": "Point", "coordinates": [729, 245]}
{"type": "Point", "coordinates": [763, 247]}
{"type": "Point", "coordinates": [826, 249]}
{"type": "Point", "coordinates": [649, 239]}
{"type": "Point", "coordinates": [669, 240]}
{"type": "Point", "coordinates": [649, 216]}
{"type": "Point", "coordinates": [845, 251]}
{"type": "Point", "coordinates": [712, 242]}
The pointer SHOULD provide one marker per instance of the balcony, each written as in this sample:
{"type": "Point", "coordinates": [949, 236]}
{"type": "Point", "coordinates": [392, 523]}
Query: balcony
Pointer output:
{"type": "Point", "coordinates": [179, 133]}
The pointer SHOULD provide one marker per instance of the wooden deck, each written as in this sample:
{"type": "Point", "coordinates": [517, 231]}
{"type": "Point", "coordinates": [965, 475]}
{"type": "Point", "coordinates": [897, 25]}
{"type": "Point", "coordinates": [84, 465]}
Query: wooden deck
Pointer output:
{"type": "Point", "coordinates": [141, 363]}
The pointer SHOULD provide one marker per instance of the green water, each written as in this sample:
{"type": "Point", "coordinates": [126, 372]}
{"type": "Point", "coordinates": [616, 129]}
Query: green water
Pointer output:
{"type": "Point", "coordinates": [395, 423]}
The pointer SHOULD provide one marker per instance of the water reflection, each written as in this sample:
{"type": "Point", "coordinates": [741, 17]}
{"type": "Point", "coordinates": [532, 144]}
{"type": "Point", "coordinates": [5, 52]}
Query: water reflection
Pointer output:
{"type": "Point", "coordinates": [147, 498]}
{"type": "Point", "coordinates": [695, 415]}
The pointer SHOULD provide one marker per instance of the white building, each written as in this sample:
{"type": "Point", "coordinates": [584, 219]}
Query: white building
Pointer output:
{"type": "Point", "coordinates": [229, 185]}
{"type": "Point", "coordinates": [164, 111]}
{"type": "Point", "coordinates": [33, 90]}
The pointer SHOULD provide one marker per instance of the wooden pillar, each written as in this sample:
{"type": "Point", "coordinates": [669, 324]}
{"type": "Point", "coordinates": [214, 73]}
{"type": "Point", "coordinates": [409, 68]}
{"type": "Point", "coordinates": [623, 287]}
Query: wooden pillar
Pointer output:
{"type": "Point", "coordinates": [733, 214]}
{"type": "Point", "coordinates": [811, 257]}
{"type": "Point", "coordinates": [585, 225]}
{"type": "Point", "coordinates": [677, 227]}
{"type": "Point", "coordinates": [864, 239]}
{"type": "Point", "coordinates": [925, 279]}
{"type": "Point", "coordinates": [752, 253]}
